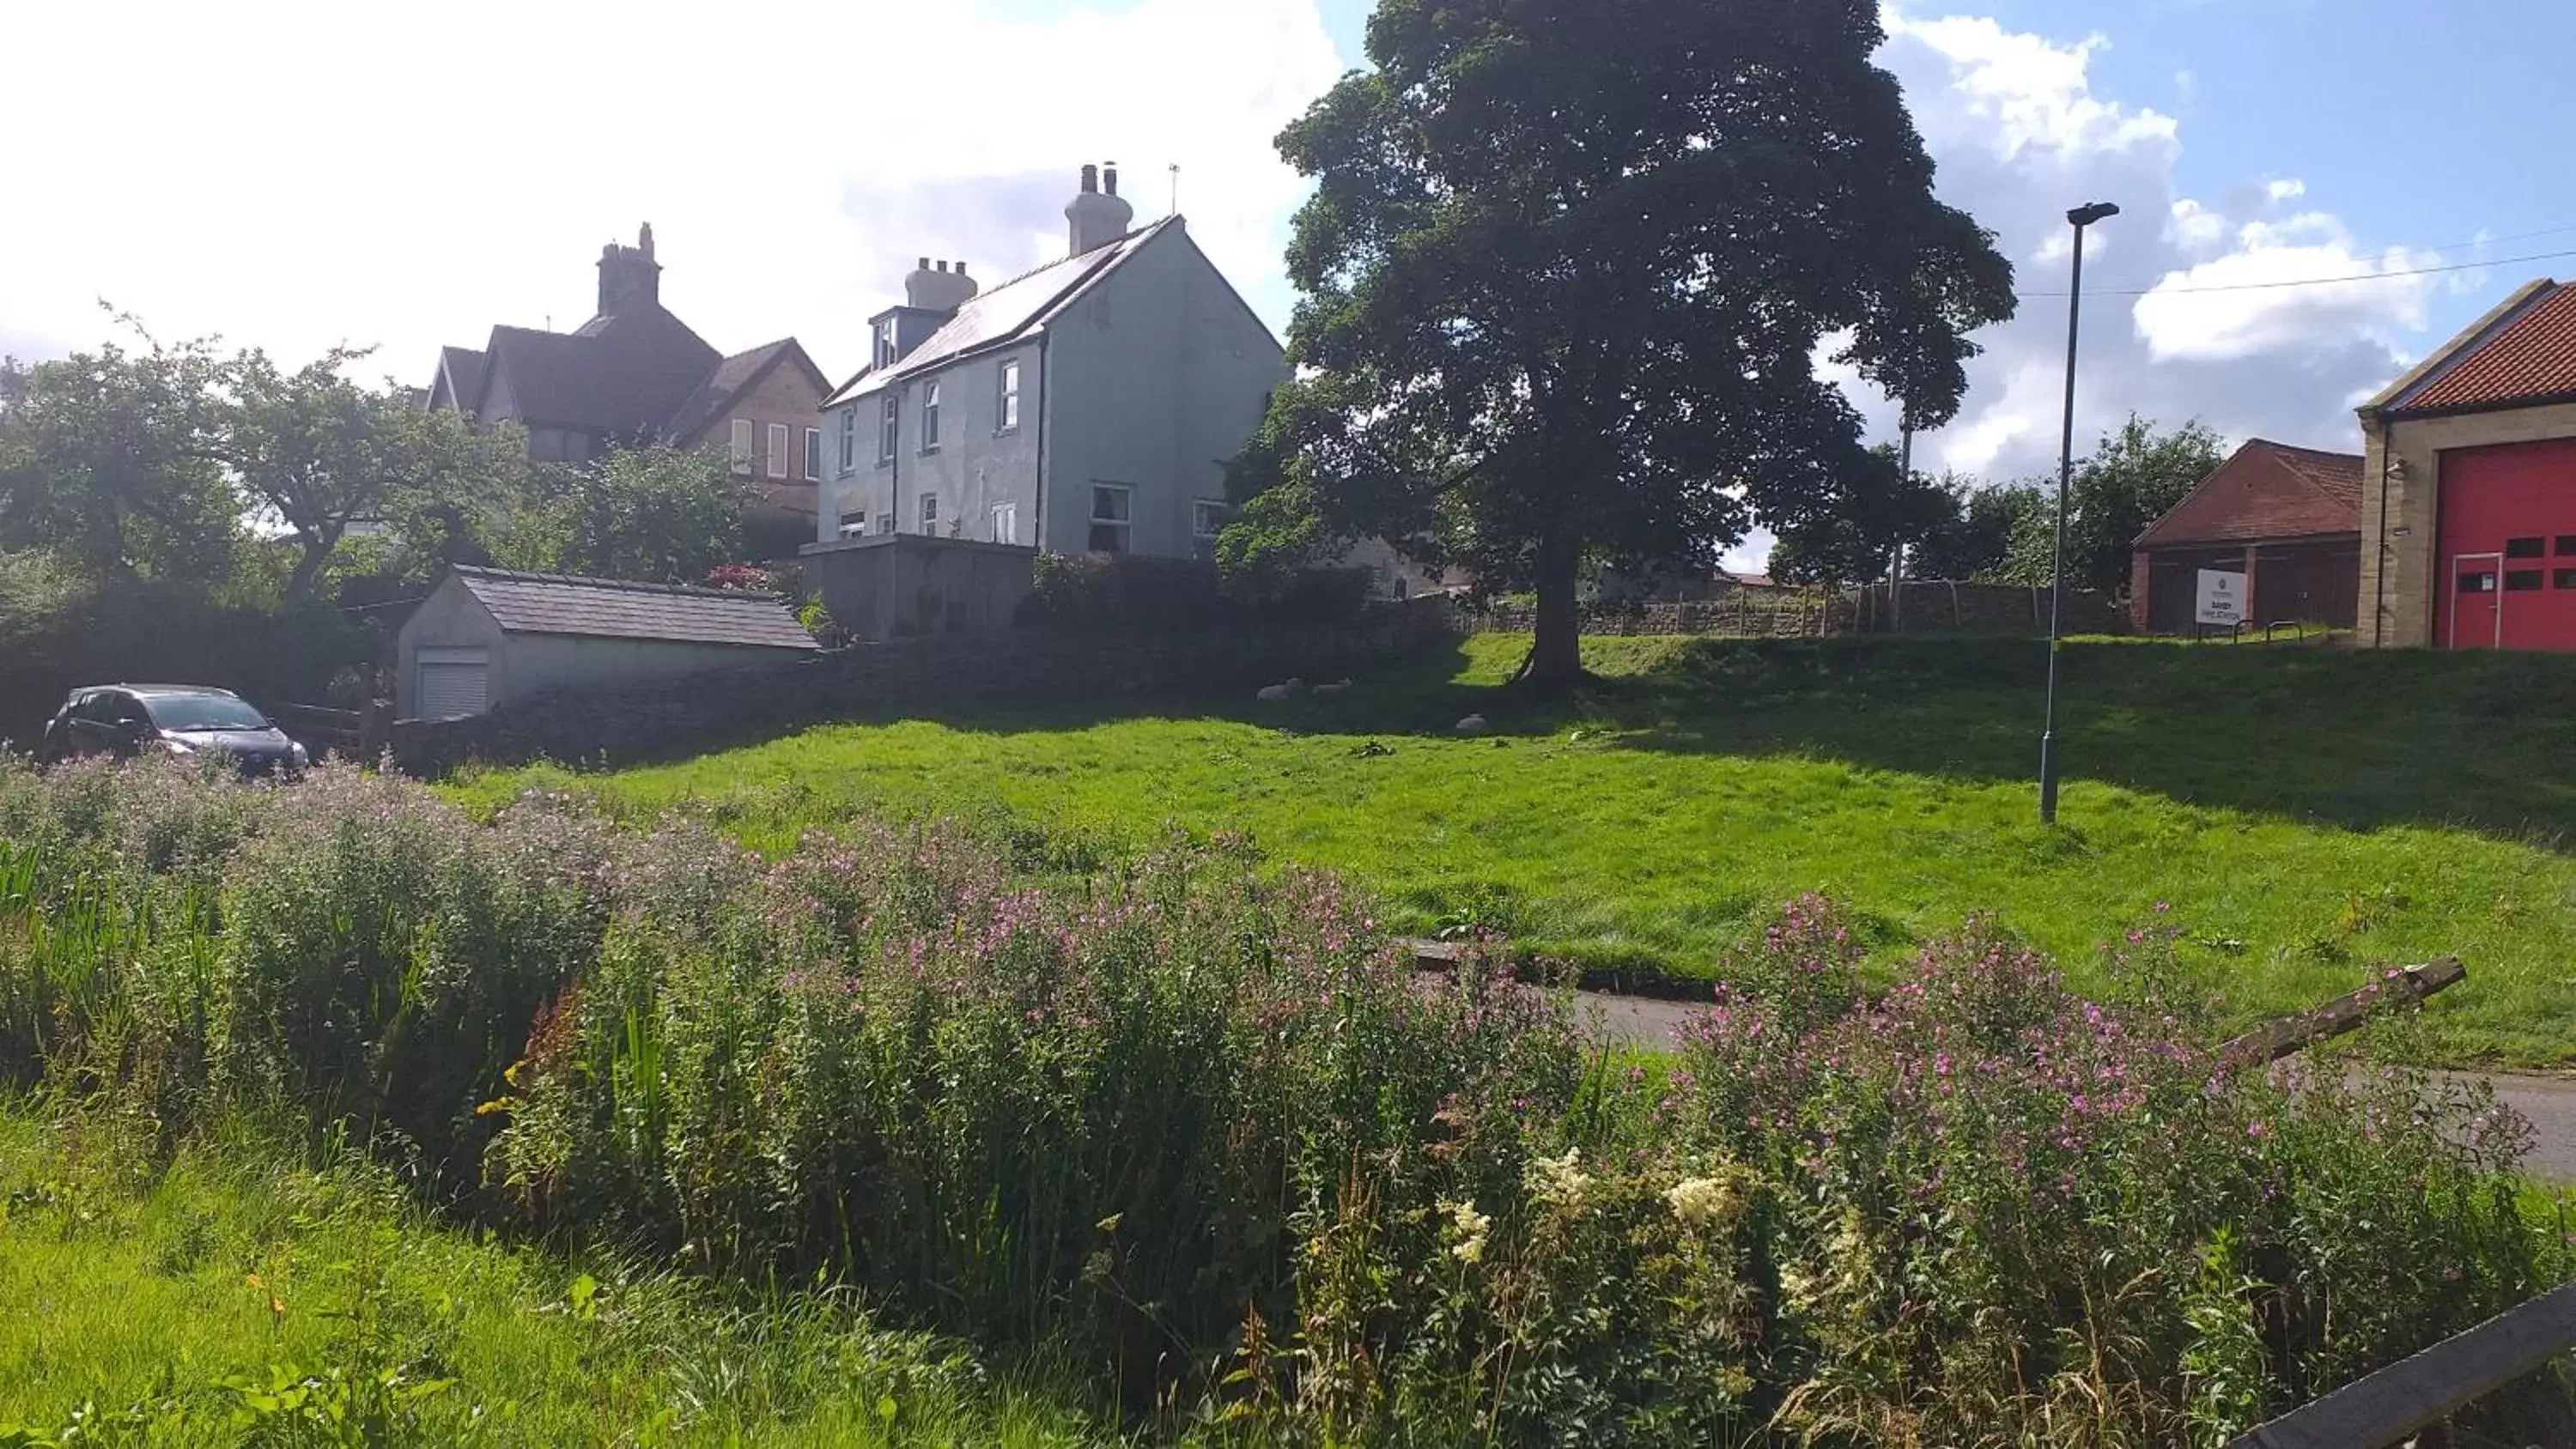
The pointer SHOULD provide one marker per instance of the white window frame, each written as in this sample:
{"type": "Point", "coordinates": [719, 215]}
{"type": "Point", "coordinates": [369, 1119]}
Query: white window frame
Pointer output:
{"type": "Point", "coordinates": [885, 523]}
{"type": "Point", "coordinates": [849, 439]}
{"type": "Point", "coordinates": [1006, 404]}
{"type": "Point", "coordinates": [1203, 508]}
{"type": "Point", "coordinates": [890, 428]}
{"type": "Point", "coordinates": [930, 416]}
{"type": "Point", "coordinates": [1006, 523]}
{"type": "Point", "coordinates": [813, 455]}
{"type": "Point", "coordinates": [1124, 521]}
{"type": "Point", "coordinates": [781, 437]}
{"type": "Point", "coordinates": [885, 343]}
{"type": "Point", "coordinates": [744, 440]}
{"type": "Point", "coordinates": [925, 512]}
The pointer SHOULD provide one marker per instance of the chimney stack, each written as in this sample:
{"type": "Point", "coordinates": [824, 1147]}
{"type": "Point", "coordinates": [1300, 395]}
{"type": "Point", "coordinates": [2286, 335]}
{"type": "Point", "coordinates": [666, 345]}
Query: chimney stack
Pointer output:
{"type": "Point", "coordinates": [939, 286]}
{"type": "Point", "coordinates": [1095, 218]}
{"type": "Point", "coordinates": [629, 279]}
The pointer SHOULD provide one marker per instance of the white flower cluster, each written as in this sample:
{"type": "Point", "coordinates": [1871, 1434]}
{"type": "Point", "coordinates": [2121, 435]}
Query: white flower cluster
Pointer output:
{"type": "Point", "coordinates": [1469, 1227]}
{"type": "Point", "coordinates": [1708, 1201]}
{"type": "Point", "coordinates": [1560, 1180]}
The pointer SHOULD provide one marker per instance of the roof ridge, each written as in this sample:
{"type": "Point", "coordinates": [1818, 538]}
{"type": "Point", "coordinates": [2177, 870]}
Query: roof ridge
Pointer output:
{"type": "Point", "coordinates": [630, 586]}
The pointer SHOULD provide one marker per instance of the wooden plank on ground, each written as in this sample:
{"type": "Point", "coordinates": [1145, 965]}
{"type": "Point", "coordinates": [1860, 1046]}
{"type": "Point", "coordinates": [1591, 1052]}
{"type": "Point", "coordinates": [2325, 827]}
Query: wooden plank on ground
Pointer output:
{"type": "Point", "coordinates": [2380, 1410]}
{"type": "Point", "coordinates": [2293, 1034]}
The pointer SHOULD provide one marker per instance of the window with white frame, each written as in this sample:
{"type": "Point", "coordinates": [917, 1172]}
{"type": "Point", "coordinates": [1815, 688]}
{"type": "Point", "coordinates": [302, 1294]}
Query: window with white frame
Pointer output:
{"type": "Point", "coordinates": [1006, 523]}
{"type": "Point", "coordinates": [930, 417]}
{"type": "Point", "coordinates": [742, 444]}
{"type": "Point", "coordinates": [779, 434]}
{"type": "Point", "coordinates": [929, 512]}
{"type": "Point", "coordinates": [813, 455]}
{"type": "Point", "coordinates": [1207, 518]}
{"type": "Point", "coordinates": [1006, 405]}
{"type": "Point", "coordinates": [1110, 519]}
{"type": "Point", "coordinates": [885, 523]}
{"type": "Point", "coordinates": [849, 438]}
{"type": "Point", "coordinates": [885, 343]}
{"type": "Point", "coordinates": [855, 530]}
{"type": "Point", "coordinates": [887, 429]}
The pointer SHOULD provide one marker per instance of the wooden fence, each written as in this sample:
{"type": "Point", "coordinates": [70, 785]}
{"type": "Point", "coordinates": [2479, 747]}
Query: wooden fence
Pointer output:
{"type": "Point", "coordinates": [349, 733]}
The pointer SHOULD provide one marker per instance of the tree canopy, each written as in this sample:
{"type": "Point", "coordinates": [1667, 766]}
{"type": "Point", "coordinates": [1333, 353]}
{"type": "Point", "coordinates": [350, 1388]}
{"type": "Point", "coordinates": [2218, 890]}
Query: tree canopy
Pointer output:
{"type": "Point", "coordinates": [2129, 481]}
{"type": "Point", "coordinates": [1568, 268]}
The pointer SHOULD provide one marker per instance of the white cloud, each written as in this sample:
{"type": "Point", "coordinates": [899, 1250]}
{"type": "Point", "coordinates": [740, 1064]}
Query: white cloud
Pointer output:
{"type": "Point", "coordinates": [2021, 135]}
{"type": "Point", "coordinates": [297, 173]}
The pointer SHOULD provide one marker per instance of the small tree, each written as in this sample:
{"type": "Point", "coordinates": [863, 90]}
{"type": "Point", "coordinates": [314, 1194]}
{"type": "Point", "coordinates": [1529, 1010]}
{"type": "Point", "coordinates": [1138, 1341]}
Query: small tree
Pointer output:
{"type": "Point", "coordinates": [1568, 267]}
{"type": "Point", "coordinates": [2129, 482]}
{"type": "Point", "coordinates": [661, 514]}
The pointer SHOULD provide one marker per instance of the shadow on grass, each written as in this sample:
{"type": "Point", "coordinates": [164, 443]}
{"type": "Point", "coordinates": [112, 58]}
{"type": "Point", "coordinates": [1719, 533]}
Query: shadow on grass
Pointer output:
{"type": "Point", "coordinates": [2349, 737]}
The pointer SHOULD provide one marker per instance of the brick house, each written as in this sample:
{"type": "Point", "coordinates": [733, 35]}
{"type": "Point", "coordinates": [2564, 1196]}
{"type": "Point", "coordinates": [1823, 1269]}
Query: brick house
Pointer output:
{"type": "Point", "coordinates": [2288, 519]}
{"type": "Point", "coordinates": [635, 374]}
{"type": "Point", "coordinates": [2469, 487]}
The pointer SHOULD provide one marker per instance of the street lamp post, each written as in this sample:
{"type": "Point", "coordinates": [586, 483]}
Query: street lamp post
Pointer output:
{"type": "Point", "coordinates": [2080, 218]}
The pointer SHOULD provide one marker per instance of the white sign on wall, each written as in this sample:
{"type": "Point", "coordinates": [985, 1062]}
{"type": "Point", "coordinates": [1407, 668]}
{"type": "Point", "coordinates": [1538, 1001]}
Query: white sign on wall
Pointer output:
{"type": "Point", "coordinates": [2221, 599]}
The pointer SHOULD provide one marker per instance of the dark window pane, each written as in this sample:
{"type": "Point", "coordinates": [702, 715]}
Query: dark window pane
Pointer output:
{"type": "Point", "coordinates": [2566, 544]}
{"type": "Point", "coordinates": [2566, 579]}
{"type": "Point", "coordinates": [2524, 547]}
{"type": "Point", "coordinates": [2477, 583]}
{"type": "Point", "coordinates": [2522, 581]}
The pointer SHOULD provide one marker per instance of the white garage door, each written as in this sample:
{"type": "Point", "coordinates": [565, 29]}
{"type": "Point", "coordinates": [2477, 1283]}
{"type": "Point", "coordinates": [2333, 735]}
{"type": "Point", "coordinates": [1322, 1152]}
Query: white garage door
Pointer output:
{"type": "Point", "coordinates": [453, 683]}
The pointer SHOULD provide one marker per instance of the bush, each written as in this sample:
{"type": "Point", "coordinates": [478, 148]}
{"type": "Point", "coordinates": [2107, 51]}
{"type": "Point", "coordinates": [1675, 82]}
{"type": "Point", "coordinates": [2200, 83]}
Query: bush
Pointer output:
{"type": "Point", "coordinates": [1196, 1124]}
{"type": "Point", "coordinates": [1136, 594]}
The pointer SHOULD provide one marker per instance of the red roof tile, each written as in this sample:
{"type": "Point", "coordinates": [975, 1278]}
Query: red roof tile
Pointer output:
{"type": "Point", "coordinates": [2267, 490]}
{"type": "Point", "coordinates": [2530, 359]}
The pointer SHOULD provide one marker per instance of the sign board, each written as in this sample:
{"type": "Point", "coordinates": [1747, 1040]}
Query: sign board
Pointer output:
{"type": "Point", "coordinates": [2221, 599]}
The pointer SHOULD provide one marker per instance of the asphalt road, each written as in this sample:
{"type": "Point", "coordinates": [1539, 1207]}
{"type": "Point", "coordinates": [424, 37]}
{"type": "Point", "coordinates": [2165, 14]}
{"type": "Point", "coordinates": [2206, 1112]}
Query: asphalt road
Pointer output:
{"type": "Point", "coordinates": [2550, 1102]}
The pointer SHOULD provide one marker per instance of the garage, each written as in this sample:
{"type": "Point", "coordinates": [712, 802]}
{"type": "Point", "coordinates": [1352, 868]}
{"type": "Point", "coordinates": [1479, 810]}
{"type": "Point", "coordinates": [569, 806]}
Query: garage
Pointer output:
{"type": "Point", "coordinates": [2286, 519]}
{"type": "Point", "coordinates": [2469, 487]}
{"type": "Point", "coordinates": [486, 638]}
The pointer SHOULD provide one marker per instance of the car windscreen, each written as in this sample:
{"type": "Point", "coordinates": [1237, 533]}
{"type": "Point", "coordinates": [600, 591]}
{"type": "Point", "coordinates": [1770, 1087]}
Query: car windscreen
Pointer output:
{"type": "Point", "coordinates": [203, 712]}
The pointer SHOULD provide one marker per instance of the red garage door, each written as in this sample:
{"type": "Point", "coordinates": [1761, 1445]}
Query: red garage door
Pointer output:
{"type": "Point", "coordinates": [2506, 575]}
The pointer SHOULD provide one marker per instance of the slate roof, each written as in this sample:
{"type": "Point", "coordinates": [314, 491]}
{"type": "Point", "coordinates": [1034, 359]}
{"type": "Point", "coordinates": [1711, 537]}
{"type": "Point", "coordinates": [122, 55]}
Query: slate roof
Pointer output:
{"type": "Point", "coordinates": [2525, 357]}
{"type": "Point", "coordinates": [2267, 490]}
{"type": "Point", "coordinates": [525, 603]}
{"type": "Point", "coordinates": [464, 369]}
{"type": "Point", "coordinates": [1005, 313]}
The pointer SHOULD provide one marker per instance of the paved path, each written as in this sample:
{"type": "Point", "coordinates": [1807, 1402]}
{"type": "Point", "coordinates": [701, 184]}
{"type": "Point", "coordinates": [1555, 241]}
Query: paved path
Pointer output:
{"type": "Point", "coordinates": [2550, 1102]}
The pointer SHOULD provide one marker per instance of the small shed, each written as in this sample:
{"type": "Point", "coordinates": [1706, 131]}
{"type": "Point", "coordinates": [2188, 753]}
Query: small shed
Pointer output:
{"type": "Point", "coordinates": [487, 637]}
{"type": "Point", "coordinates": [2288, 519]}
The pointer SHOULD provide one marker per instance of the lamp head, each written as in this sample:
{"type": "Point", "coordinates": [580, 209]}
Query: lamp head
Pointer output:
{"type": "Point", "coordinates": [2084, 216]}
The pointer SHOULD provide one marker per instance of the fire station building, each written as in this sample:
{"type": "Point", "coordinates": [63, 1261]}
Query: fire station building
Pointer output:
{"type": "Point", "coordinates": [2468, 502]}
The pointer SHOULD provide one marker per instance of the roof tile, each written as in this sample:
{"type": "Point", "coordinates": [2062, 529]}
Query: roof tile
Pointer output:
{"type": "Point", "coordinates": [526, 603]}
{"type": "Point", "coordinates": [2267, 490]}
{"type": "Point", "coordinates": [2530, 359]}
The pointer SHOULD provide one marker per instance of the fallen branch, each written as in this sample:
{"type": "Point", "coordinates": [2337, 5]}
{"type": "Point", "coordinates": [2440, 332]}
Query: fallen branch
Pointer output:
{"type": "Point", "coordinates": [2291, 1035]}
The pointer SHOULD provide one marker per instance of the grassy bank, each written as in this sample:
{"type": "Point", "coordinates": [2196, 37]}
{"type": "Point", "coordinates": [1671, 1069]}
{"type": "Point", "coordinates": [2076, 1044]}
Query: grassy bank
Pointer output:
{"type": "Point", "coordinates": [237, 1295]}
{"type": "Point", "coordinates": [2307, 812]}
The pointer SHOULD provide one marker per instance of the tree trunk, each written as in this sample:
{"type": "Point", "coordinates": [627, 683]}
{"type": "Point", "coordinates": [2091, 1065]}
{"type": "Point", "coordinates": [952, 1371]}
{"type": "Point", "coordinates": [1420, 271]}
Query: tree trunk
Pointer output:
{"type": "Point", "coordinates": [1556, 655]}
{"type": "Point", "coordinates": [317, 549]}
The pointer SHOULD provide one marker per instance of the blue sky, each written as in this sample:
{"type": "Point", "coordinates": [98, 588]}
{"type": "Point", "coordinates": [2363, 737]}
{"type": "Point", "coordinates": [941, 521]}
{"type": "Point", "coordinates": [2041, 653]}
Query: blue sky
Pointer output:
{"type": "Point", "coordinates": [302, 192]}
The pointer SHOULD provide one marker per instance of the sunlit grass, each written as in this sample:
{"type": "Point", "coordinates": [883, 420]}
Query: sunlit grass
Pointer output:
{"type": "Point", "coordinates": [2306, 811]}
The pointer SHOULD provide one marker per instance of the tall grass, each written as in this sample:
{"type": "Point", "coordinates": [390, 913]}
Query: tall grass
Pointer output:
{"type": "Point", "coordinates": [1195, 1127]}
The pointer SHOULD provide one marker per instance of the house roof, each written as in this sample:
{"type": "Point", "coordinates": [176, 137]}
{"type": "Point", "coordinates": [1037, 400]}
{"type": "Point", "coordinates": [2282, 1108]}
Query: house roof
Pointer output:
{"type": "Point", "coordinates": [463, 369]}
{"type": "Point", "coordinates": [622, 374]}
{"type": "Point", "coordinates": [2521, 354]}
{"type": "Point", "coordinates": [525, 603]}
{"type": "Point", "coordinates": [737, 375]}
{"type": "Point", "coordinates": [2266, 490]}
{"type": "Point", "coordinates": [1006, 313]}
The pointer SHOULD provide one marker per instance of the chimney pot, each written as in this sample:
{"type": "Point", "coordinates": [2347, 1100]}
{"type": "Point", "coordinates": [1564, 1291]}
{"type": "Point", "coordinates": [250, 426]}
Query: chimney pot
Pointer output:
{"type": "Point", "coordinates": [1090, 178]}
{"type": "Point", "coordinates": [925, 264]}
{"type": "Point", "coordinates": [1109, 178]}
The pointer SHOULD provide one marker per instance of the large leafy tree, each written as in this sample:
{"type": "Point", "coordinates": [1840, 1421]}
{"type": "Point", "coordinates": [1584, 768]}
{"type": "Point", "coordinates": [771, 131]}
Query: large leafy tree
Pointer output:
{"type": "Point", "coordinates": [1568, 268]}
{"type": "Point", "coordinates": [112, 462]}
{"type": "Point", "coordinates": [318, 454]}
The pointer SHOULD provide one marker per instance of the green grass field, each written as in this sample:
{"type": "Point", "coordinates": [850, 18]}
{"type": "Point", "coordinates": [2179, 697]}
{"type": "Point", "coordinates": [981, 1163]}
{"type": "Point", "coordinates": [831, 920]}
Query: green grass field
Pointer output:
{"type": "Point", "coordinates": [2307, 812]}
{"type": "Point", "coordinates": [186, 1306]}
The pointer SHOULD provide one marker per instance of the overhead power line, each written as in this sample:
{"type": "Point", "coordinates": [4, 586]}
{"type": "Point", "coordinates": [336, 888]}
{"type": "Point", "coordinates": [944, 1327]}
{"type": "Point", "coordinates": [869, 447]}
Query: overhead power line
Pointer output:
{"type": "Point", "coordinates": [2311, 281]}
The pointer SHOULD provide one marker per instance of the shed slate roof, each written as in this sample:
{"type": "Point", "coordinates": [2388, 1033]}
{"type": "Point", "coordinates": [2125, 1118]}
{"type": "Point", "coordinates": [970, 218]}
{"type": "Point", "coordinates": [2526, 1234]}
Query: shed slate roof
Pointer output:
{"type": "Point", "coordinates": [525, 603]}
{"type": "Point", "coordinates": [2267, 490]}
{"type": "Point", "coordinates": [2526, 357]}
{"type": "Point", "coordinates": [1005, 314]}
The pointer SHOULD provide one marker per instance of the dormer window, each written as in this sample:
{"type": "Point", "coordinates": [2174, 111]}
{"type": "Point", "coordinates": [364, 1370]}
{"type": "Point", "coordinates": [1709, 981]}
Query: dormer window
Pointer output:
{"type": "Point", "coordinates": [885, 343]}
